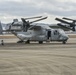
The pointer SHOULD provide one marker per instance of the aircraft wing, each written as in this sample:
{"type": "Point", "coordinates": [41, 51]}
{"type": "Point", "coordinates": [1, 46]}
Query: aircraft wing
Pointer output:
{"type": "Point", "coordinates": [35, 28]}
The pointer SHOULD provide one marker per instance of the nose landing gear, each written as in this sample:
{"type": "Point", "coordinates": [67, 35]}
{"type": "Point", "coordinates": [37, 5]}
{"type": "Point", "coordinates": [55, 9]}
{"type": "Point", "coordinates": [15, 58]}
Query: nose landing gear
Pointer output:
{"type": "Point", "coordinates": [64, 42]}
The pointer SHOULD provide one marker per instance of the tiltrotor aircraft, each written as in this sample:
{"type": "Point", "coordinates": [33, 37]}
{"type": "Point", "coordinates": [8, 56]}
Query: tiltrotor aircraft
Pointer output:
{"type": "Point", "coordinates": [40, 33]}
{"type": "Point", "coordinates": [36, 32]}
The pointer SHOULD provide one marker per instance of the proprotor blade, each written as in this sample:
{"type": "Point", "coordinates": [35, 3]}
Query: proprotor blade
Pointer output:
{"type": "Point", "coordinates": [39, 19]}
{"type": "Point", "coordinates": [33, 17]}
{"type": "Point", "coordinates": [59, 24]}
{"type": "Point", "coordinates": [67, 18]}
{"type": "Point", "coordinates": [62, 20]}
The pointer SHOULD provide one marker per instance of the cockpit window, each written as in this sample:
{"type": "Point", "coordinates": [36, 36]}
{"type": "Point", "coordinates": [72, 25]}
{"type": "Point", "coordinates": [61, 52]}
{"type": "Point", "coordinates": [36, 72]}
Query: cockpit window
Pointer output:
{"type": "Point", "coordinates": [56, 32]}
{"type": "Point", "coordinates": [61, 32]}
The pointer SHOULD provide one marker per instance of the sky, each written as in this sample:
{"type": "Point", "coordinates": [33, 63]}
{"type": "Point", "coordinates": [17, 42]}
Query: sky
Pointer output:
{"type": "Point", "coordinates": [11, 9]}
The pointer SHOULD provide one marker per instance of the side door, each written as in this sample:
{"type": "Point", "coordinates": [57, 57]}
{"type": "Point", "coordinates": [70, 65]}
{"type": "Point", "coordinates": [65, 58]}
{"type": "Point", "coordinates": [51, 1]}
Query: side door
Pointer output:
{"type": "Point", "coordinates": [48, 34]}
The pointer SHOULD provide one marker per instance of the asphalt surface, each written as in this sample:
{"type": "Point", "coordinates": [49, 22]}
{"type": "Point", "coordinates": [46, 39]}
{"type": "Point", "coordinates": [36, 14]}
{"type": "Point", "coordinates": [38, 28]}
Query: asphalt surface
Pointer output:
{"type": "Point", "coordinates": [52, 58]}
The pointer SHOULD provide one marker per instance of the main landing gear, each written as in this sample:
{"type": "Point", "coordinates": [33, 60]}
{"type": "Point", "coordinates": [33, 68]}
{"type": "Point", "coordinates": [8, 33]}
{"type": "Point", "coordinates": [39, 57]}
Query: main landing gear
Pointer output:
{"type": "Point", "coordinates": [40, 42]}
{"type": "Point", "coordinates": [64, 42]}
{"type": "Point", "coordinates": [27, 42]}
{"type": "Point", "coordinates": [21, 41]}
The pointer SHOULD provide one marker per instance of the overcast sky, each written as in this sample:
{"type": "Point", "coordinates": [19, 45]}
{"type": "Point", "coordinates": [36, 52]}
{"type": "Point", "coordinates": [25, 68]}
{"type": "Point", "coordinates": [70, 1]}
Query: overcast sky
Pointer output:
{"type": "Point", "coordinates": [10, 9]}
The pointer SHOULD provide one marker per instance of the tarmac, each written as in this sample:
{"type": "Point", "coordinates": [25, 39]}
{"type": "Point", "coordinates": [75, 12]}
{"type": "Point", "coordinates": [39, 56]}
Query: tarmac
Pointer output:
{"type": "Point", "coordinates": [52, 58]}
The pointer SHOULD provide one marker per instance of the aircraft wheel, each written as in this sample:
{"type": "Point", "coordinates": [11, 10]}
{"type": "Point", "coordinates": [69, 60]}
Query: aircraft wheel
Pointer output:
{"type": "Point", "coordinates": [40, 42]}
{"type": "Point", "coordinates": [64, 42]}
{"type": "Point", "coordinates": [20, 41]}
{"type": "Point", "coordinates": [27, 42]}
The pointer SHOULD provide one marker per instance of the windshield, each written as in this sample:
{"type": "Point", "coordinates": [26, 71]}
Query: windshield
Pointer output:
{"type": "Point", "coordinates": [61, 31]}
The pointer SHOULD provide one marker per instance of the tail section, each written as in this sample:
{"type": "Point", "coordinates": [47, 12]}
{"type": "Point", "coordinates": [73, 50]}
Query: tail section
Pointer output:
{"type": "Point", "coordinates": [1, 29]}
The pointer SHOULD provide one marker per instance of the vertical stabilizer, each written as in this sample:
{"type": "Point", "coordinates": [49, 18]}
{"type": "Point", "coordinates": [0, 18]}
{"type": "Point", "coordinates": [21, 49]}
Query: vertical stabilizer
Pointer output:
{"type": "Point", "coordinates": [1, 30]}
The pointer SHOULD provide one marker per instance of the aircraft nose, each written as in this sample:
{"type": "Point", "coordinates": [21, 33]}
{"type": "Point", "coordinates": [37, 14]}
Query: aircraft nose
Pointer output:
{"type": "Point", "coordinates": [66, 37]}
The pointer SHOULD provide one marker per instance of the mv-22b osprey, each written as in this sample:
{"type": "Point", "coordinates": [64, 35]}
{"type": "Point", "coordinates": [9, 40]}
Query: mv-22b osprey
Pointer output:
{"type": "Point", "coordinates": [40, 33]}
